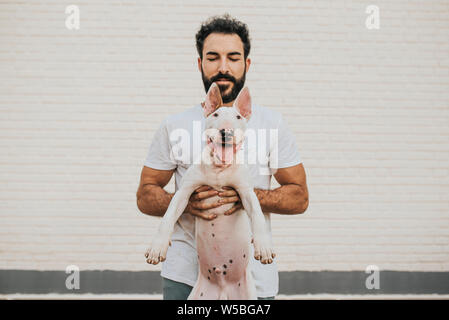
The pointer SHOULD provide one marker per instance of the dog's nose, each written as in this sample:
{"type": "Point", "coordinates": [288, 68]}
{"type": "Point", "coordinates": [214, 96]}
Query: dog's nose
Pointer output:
{"type": "Point", "coordinates": [226, 134]}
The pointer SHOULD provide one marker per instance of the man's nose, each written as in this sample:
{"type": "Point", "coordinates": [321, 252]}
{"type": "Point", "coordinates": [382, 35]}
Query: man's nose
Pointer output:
{"type": "Point", "coordinates": [223, 68]}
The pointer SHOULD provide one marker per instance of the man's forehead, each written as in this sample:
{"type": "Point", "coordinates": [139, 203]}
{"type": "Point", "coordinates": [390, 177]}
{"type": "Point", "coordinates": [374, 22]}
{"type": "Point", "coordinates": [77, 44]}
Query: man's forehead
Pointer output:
{"type": "Point", "coordinates": [222, 43]}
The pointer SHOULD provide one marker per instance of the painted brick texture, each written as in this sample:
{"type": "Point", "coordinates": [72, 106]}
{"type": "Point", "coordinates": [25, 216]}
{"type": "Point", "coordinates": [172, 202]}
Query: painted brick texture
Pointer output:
{"type": "Point", "coordinates": [369, 108]}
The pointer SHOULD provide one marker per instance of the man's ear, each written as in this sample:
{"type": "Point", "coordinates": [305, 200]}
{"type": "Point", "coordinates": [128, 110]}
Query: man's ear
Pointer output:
{"type": "Point", "coordinates": [213, 100]}
{"type": "Point", "coordinates": [199, 64]}
{"type": "Point", "coordinates": [243, 103]}
{"type": "Point", "coordinates": [248, 63]}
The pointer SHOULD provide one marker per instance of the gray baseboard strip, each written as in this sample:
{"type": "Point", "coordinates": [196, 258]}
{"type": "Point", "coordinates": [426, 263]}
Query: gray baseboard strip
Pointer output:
{"type": "Point", "coordinates": [290, 283]}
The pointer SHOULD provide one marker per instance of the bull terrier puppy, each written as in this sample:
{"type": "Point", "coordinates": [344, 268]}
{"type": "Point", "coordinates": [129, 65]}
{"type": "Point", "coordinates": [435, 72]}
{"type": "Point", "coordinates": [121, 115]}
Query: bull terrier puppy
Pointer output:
{"type": "Point", "coordinates": [223, 244]}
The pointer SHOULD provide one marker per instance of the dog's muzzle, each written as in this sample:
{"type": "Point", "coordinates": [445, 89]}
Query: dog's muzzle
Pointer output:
{"type": "Point", "coordinates": [227, 135]}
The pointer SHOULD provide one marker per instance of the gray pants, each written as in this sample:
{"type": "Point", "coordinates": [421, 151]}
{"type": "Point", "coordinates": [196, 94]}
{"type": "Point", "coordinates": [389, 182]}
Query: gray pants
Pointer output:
{"type": "Point", "coordinates": [173, 290]}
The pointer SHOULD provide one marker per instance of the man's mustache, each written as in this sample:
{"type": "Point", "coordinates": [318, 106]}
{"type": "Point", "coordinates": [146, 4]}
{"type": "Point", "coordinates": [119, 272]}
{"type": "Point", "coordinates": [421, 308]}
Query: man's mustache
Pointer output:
{"type": "Point", "coordinates": [223, 76]}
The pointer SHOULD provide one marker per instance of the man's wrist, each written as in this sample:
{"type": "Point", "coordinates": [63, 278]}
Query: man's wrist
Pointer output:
{"type": "Point", "coordinates": [262, 196]}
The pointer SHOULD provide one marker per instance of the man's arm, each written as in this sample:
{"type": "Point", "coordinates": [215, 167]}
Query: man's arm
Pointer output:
{"type": "Point", "coordinates": [152, 199]}
{"type": "Point", "coordinates": [292, 197]}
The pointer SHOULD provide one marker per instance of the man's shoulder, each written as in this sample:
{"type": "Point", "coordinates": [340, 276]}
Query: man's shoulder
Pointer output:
{"type": "Point", "coordinates": [267, 116]}
{"type": "Point", "coordinates": [179, 118]}
{"type": "Point", "coordinates": [267, 111]}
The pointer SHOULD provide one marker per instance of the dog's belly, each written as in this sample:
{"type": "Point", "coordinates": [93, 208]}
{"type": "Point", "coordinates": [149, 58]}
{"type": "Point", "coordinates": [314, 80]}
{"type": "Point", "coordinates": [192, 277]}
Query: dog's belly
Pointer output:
{"type": "Point", "coordinates": [223, 244]}
{"type": "Point", "coordinates": [223, 247]}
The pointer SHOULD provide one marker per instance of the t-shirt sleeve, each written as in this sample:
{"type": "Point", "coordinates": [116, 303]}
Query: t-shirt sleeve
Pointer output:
{"type": "Point", "coordinates": [159, 155]}
{"type": "Point", "coordinates": [284, 150]}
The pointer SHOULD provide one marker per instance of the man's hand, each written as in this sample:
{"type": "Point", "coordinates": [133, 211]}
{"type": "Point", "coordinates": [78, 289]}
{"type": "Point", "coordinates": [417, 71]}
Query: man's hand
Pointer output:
{"type": "Point", "coordinates": [196, 205]}
{"type": "Point", "coordinates": [229, 196]}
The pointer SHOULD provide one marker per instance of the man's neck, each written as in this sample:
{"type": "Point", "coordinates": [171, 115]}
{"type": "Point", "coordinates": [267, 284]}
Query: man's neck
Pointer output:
{"type": "Point", "coordinates": [229, 104]}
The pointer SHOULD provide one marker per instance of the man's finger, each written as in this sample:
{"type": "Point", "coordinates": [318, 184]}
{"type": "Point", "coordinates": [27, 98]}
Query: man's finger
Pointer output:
{"type": "Point", "coordinates": [228, 200]}
{"type": "Point", "coordinates": [204, 206]}
{"type": "Point", "coordinates": [228, 193]}
{"type": "Point", "coordinates": [203, 188]}
{"type": "Point", "coordinates": [200, 214]}
{"type": "Point", "coordinates": [238, 206]}
{"type": "Point", "coordinates": [201, 205]}
{"type": "Point", "coordinates": [230, 211]}
{"type": "Point", "coordinates": [204, 195]}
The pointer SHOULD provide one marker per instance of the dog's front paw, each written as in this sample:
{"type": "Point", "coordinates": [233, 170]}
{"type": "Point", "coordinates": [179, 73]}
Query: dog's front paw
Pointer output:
{"type": "Point", "coordinates": [263, 250]}
{"type": "Point", "coordinates": [157, 252]}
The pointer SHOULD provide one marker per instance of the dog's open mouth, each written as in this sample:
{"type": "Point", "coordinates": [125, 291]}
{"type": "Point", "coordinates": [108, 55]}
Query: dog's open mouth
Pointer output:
{"type": "Point", "coordinates": [224, 151]}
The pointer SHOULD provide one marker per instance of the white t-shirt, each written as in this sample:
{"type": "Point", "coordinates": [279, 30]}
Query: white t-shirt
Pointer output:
{"type": "Point", "coordinates": [175, 146]}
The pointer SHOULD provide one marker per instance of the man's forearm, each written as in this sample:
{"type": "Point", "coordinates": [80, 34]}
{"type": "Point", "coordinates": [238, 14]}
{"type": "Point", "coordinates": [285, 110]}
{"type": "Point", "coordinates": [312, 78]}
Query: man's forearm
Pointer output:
{"type": "Point", "coordinates": [287, 199]}
{"type": "Point", "coordinates": [153, 200]}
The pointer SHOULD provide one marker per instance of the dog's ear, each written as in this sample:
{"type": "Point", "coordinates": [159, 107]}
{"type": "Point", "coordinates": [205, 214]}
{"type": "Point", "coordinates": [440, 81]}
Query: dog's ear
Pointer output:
{"type": "Point", "coordinates": [213, 100]}
{"type": "Point", "coordinates": [243, 103]}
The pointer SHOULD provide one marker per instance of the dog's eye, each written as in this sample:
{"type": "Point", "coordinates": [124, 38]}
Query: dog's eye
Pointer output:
{"type": "Point", "coordinates": [239, 117]}
{"type": "Point", "coordinates": [215, 114]}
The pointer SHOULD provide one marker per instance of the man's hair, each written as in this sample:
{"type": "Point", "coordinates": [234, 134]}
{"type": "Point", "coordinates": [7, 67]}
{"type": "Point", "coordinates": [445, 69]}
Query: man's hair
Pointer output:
{"type": "Point", "coordinates": [223, 24]}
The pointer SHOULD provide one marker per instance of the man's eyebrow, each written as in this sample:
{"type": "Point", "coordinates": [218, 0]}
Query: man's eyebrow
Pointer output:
{"type": "Point", "coordinates": [229, 54]}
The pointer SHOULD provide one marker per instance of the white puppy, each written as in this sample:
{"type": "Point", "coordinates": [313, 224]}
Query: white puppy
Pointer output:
{"type": "Point", "coordinates": [223, 244]}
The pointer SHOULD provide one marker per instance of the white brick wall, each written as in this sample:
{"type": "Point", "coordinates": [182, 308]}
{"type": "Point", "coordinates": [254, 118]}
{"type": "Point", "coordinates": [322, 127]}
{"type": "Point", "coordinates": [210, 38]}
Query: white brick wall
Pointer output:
{"type": "Point", "coordinates": [370, 109]}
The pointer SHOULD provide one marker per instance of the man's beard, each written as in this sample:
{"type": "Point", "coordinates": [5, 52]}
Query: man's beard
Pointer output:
{"type": "Point", "coordinates": [231, 96]}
